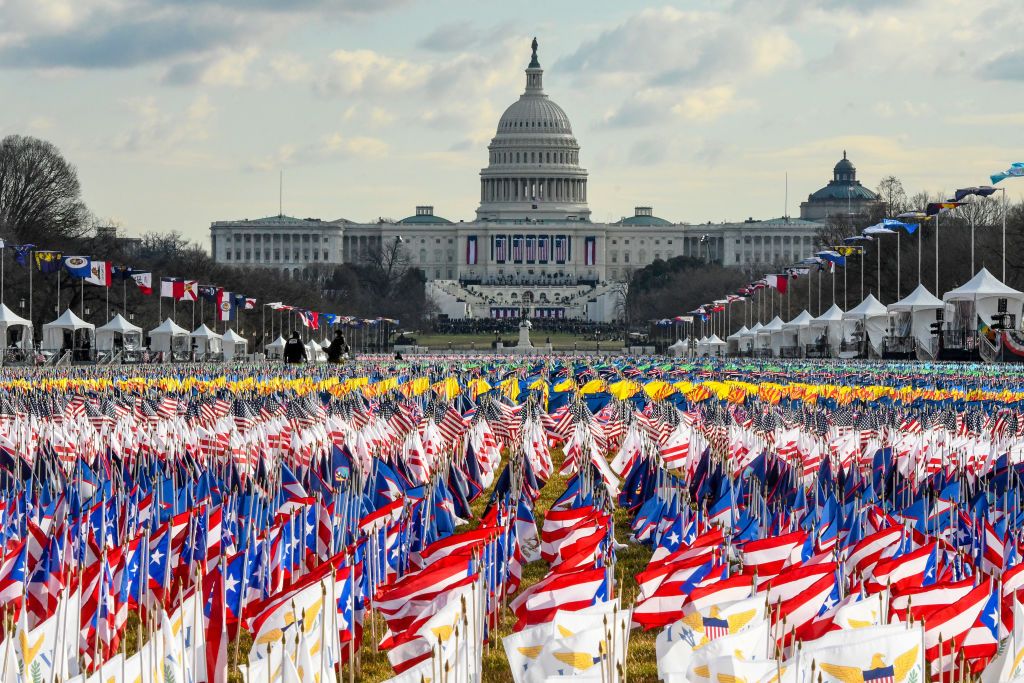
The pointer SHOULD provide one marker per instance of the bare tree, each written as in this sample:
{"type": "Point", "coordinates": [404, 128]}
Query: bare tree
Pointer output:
{"type": "Point", "coordinates": [386, 265]}
{"type": "Point", "coordinates": [40, 196]}
{"type": "Point", "coordinates": [892, 194]}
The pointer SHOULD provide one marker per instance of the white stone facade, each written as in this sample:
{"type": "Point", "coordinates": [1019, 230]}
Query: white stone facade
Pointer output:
{"type": "Point", "coordinates": [532, 234]}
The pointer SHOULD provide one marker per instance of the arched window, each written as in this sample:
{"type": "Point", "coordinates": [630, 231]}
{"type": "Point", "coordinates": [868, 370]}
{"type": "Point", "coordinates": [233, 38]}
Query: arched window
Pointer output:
{"type": "Point", "coordinates": [423, 255]}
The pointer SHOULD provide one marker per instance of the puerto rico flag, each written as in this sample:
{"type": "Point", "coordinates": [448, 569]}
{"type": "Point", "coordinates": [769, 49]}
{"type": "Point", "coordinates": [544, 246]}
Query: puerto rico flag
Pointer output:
{"type": "Point", "coordinates": [499, 249]}
{"type": "Point", "coordinates": [99, 273]}
{"type": "Point", "coordinates": [590, 251]}
{"type": "Point", "coordinates": [471, 253]}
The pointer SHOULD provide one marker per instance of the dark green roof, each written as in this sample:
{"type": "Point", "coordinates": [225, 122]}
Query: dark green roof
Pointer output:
{"type": "Point", "coordinates": [835, 191]}
{"type": "Point", "coordinates": [644, 220]}
{"type": "Point", "coordinates": [423, 219]}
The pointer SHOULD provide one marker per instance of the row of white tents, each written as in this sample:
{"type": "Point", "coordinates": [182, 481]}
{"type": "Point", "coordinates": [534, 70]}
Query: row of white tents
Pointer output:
{"type": "Point", "coordinates": [869, 324]}
{"type": "Point", "coordinates": [120, 333]}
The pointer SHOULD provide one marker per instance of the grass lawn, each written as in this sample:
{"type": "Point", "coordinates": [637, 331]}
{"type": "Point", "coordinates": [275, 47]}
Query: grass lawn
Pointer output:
{"type": "Point", "coordinates": [560, 341]}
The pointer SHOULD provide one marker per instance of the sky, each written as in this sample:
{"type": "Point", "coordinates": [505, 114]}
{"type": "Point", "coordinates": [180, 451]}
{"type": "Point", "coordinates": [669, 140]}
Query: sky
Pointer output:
{"type": "Point", "coordinates": [178, 113]}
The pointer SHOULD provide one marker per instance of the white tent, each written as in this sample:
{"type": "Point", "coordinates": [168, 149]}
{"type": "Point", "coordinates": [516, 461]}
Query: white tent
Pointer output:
{"type": "Point", "coordinates": [769, 337]}
{"type": "Point", "coordinates": [914, 314]}
{"type": "Point", "coordinates": [53, 332]}
{"type": "Point", "coordinates": [314, 353]}
{"type": "Point", "coordinates": [747, 339]}
{"type": "Point", "coordinates": [716, 345]}
{"type": "Point", "coordinates": [734, 340]}
{"type": "Point", "coordinates": [680, 348]}
{"type": "Point", "coordinates": [702, 346]}
{"type": "Point", "coordinates": [118, 328]}
{"type": "Point", "coordinates": [206, 341]}
{"type": "Point", "coordinates": [795, 332]}
{"type": "Point", "coordinates": [234, 345]}
{"type": "Point", "coordinates": [9, 321]}
{"type": "Point", "coordinates": [167, 337]}
{"type": "Point", "coordinates": [275, 349]}
{"type": "Point", "coordinates": [828, 327]}
{"type": "Point", "coordinates": [872, 319]}
{"type": "Point", "coordinates": [979, 298]}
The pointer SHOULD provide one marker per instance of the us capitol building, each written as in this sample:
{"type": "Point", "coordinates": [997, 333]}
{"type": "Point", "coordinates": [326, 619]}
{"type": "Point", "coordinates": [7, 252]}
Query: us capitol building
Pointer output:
{"type": "Point", "coordinates": [532, 244]}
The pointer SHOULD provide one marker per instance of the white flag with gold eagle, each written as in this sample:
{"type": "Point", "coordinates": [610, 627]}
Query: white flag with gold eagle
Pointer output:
{"type": "Point", "coordinates": [875, 655]}
{"type": "Point", "coordinates": [676, 644]}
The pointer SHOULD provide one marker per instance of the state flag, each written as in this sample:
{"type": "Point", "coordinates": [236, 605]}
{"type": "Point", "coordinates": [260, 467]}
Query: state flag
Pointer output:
{"type": "Point", "coordinates": [100, 273]}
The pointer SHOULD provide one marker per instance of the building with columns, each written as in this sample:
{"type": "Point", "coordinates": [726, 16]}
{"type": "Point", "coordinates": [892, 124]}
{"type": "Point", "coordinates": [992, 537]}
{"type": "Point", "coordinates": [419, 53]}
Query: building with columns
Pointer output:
{"type": "Point", "coordinates": [531, 244]}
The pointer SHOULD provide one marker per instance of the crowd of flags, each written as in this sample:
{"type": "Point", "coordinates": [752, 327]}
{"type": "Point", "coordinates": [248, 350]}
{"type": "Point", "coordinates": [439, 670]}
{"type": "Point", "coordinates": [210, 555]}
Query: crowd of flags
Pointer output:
{"type": "Point", "coordinates": [806, 522]}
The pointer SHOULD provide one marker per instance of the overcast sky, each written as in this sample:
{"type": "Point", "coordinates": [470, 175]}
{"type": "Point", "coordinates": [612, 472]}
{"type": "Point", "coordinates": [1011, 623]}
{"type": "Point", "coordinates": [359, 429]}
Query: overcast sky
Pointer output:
{"type": "Point", "coordinates": [181, 112]}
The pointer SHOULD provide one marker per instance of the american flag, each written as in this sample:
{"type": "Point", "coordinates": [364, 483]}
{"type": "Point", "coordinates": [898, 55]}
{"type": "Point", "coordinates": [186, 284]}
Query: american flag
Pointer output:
{"type": "Point", "coordinates": [561, 248]}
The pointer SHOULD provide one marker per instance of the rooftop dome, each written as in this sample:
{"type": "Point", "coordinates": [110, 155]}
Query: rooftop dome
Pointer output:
{"type": "Point", "coordinates": [425, 215]}
{"type": "Point", "coordinates": [844, 185]}
{"type": "Point", "coordinates": [644, 216]}
{"type": "Point", "coordinates": [534, 114]}
{"type": "Point", "coordinates": [844, 165]}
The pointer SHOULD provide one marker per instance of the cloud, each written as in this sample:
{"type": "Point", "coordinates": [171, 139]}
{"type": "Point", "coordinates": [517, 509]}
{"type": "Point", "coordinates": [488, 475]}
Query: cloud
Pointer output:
{"type": "Point", "coordinates": [105, 41]}
{"type": "Point", "coordinates": [354, 71]}
{"type": "Point", "coordinates": [648, 152]}
{"type": "Point", "coordinates": [701, 47]}
{"type": "Point", "coordinates": [330, 147]}
{"type": "Point", "coordinates": [1008, 66]}
{"type": "Point", "coordinates": [708, 104]}
{"type": "Point", "coordinates": [112, 34]}
{"type": "Point", "coordinates": [448, 37]}
{"type": "Point", "coordinates": [225, 68]}
{"type": "Point", "coordinates": [158, 128]}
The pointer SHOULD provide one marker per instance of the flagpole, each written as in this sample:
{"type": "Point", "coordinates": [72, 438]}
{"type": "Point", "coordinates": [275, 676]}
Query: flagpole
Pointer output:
{"type": "Point", "coordinates": [862, 254]}
{"type": "Point", "coordinates": [937, 250]}
{"type": "Point", "coordinates": [898, 240]}
{"type": "Point", "coordinates": [1004, 233]}
{"type": "Point", "coordinates": [31, 257]}
{"type": "Point", "coordinates": [58, 291]}
{"type": "Point", "coordinates": [878, 266]}
{"type": "Point", "coordinates": [3, 253]}
{"type": "Point", "coordinates": [81, 304]}
{"type": "Point", "coordinates": [846, 298]}
{"type": "Point", "coordinates": [921, 248]}
{"type": "Point", "coordinates": [972, 240]}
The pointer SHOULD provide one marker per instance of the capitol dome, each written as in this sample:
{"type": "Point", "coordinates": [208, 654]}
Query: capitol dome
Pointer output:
{"type": "Point", "coordinates": [533, 171]}
{"type": "Point", "coordinates": [533, 114]}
